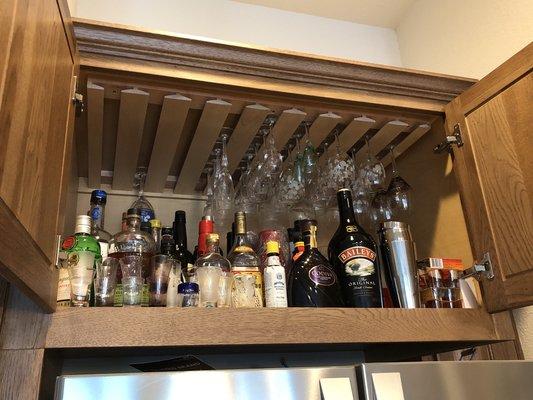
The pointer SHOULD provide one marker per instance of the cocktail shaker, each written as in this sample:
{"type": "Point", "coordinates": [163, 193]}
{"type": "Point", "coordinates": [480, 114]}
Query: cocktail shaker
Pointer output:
{"type": "Point", "coordinates": [398, 251]}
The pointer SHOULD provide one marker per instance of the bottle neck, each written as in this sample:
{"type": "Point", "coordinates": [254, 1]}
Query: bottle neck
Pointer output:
{"type": "Point", "coordinates": [212, 248]}
{"type": "Point", "coordinates": [97, 213]}
{"type": "Point", "coordinates": [273, 259]}
{"type": "Point", "coordinates": [346, 213]}
{"type": "Point", "coordinates": [133, 223]}
{"type": "Point", "coordinates": [310, 240]}
{"type": "Point", "coordinates": [180, 234]}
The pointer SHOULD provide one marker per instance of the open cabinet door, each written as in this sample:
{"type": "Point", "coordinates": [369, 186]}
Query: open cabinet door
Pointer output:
{"type": "Point", "coordinates": [495, 174]}
{"type": "Point", "coordinates": [38, 64]}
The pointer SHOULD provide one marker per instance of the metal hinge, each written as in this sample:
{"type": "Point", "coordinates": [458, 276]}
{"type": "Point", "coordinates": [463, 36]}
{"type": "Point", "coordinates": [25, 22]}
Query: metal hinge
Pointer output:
{"type": "Point", "coordinates": [77, 98]}
{"type": "Point", "coordinates": [479, 270]}
{"type": "Point", "coordinates": [454, 139]}
{"type": "Point", "coordinates": [60, 255]}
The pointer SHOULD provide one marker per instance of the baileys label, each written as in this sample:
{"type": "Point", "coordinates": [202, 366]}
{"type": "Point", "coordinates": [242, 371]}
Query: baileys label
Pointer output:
{"type": "Point", "coordinates": [358, 261]}
{"type": "Point", "coordinates": [356, 252]}
{"type": "Point", "coordinates": [322, 275]}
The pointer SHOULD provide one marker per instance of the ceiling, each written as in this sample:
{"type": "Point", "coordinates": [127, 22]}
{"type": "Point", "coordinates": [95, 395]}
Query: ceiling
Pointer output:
{"type": "Point", "coordinates": [384, 13]}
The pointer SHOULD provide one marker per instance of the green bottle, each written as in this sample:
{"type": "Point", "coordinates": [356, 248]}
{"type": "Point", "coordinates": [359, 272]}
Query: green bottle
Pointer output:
{"type": "Point", "coordinates": [83, 255]}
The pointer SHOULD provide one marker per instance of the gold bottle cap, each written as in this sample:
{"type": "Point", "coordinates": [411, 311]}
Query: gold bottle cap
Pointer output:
{"type": "Point", "coordinates": [272, 247]}
{"type": "Point", "coordinates": [155, 223]}
{"type": "Point", "coordinates": [212, 238]}
{"type": "Point", "coordinates": [240, 222]}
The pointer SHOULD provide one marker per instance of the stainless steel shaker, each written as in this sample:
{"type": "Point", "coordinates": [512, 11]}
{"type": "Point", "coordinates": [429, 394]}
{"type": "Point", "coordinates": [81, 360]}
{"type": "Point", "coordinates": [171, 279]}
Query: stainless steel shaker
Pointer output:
{"type": "Point", "coordinates": [398, 251]}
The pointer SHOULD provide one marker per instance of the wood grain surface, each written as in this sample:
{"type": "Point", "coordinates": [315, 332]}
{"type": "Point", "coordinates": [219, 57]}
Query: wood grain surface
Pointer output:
{"type": "Point", "coordinates": [140, 327]}
{"type": "Point", "coordinates": [20, 374]}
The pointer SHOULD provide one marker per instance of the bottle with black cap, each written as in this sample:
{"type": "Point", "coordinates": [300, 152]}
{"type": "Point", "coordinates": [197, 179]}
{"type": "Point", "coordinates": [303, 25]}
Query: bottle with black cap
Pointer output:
{"type": "Point", "coordinates": [180, 238]}
{"type": "Point", "coordinates": [313, 282]}
{"type": "Point", "coordinates": [353, 254]}
{"type": "Point", "coordinates": [97, 213]}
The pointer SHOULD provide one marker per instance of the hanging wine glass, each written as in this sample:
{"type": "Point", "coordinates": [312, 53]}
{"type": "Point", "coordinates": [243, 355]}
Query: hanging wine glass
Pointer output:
{"type": "Point", "coordinates": [338, 172]}
{"type": "Point", "coordinates": [223, 190]}
{"type": "Point", "coordinates": [399, 191]}
{"type": "Point", "coordinates": [289, 189]}
{"type": "Point", "coordinates": [371, 169]}
{"type": "Point", "coordinates": [309, 157]}
{"type": "Point", "coordinates": [381, 209]}
{"type": "Point", "coordinates": [360, 191]}
{"type": "Point", "coordinates": [208, 209]}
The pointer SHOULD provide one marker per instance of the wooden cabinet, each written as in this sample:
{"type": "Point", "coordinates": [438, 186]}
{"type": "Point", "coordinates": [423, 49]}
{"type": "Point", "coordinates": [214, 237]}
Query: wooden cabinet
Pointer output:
{"type": "Point", "coordinates": [161, 101]}
{"type": "Point", "coordinates": [36, 115]}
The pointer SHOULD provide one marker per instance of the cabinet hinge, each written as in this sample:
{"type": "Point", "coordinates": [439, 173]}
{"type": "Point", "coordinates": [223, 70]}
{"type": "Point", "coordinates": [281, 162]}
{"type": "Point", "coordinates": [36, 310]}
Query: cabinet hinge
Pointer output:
{"type": "Point", "coordinates": [60, 255]}
{"type": "Point", "coordinates": [454, 139]}
{"type": "Point", "coordinates": [77, 98]}
{"type": "Point", "coordinates": [479, 270]}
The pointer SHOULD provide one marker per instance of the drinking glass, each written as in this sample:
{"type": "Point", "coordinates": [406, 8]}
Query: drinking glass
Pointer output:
{"type": "Point", "coordinates": [223, 190]}
{"type": "Point", "coordinates": [338, 172]}
{"type": "Point", "coordinates": [188, 294]}
{"type": "Point", "coordinates": [80, 272]}
{"type": "Point", "coordinates": [399, 191]}
{"type": "Point", "coordinates": [132, 281]}
{"type": "Point", "coordinates": [371, 170]}
{"type": "Point", "coordinates": [225, 284]}
{"type": "Point", "coordinates": [161, 266]}
{"type": "Point", "coordinates": [381, 209]}
{"type": "Point", "coordinates": [105, 283]}
{"type": "Point", "coordinates": [209, 282]}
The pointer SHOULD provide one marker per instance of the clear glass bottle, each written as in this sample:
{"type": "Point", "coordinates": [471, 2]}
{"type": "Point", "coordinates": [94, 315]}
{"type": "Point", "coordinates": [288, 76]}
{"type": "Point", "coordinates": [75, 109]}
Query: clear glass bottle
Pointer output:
{"type": "Point", "coordinates": [83, 254]}
{"type": "Point", "coordinates": [141, 203]}
{"type": "Point", "coordinates": [133, 241]}
{"type": "Point", "coordinates": [213, 274]}
{"type": "Point", "coordinates": [313, 282]}
{"type": "Point", "coordinates": [155, 230]}
{"type": "Point", "coordinates": [247, 280]}
{"type": "Point", "coordinates": [97, 213]}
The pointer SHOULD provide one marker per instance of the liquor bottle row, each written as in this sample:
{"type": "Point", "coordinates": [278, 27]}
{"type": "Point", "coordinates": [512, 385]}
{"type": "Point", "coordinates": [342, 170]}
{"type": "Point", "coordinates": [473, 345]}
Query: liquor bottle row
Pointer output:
{"type": "Point", "coordinates": [147, 264]}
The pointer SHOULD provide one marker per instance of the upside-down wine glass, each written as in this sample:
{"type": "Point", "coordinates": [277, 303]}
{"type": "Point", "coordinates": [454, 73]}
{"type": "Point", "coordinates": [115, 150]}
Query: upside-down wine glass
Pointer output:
{"type": "Point", "coordinates": [399, 191]}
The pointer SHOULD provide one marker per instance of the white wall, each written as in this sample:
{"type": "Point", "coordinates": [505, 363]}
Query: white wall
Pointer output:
{"type": "Point", "coordinates": [250, 24]}
{"type": "Point", "coordinates": [464, 37]}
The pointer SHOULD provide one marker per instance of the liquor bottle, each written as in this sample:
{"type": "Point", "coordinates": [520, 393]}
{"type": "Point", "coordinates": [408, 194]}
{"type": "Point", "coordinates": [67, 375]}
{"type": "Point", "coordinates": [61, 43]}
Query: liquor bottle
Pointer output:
{"type": "Point", "coordinates": [133, 241]}
{"type": "Point", "coordinates": [168, 248]}
{"type": "Point", "coordinates": [274, 278]}
{"type": "Point", "coordinates": [180, 237]}
{"type": "Point", "coordinates": [205, 227]}
{"type": "Point", "coordinates": [299, 246]}
{"type": "Point", "coordinates": [247, 280]}
{"type": "Point", "coordinates": [213, 274]}
{"type": "Point", "coordinates": [313, 282]}
{"type": "Point", "coordinates": [97, 213]}
{"type": "Point", "coordinates": [83, 254]}
{"type": "Point", "coordinates": [146, 227]}
{"type": "Point", "coordinates": [155, 231]}
{"type": "Point", "coordinates": [167, 233]}
{"type": "Point", "coordinates": [145, 208]}
{"type": "Point", "coordinates": [353, 253]}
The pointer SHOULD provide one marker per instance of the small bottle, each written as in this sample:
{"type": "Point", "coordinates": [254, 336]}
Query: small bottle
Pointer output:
{"type": "Point", "coordinates": [180, 238]}
{"type": "Point", "coordinates": [155, 230]}
{"type": "Point", "coordinates": [247, 280]}
{"type": "Point", "coordinates": [274, 278]}
{"type": "Point", "coordinates": [213, 275]}
{"type": "Point", "coordinates": [83, 254]}
{"type": "Point", "coordinates": [188, 294]}
{"type": "Point", "coordinates": [97, 213]}
{"type": "Point", "coordinates": [313, 282]}
{"type": "Point", "coordinates": [353, 254]}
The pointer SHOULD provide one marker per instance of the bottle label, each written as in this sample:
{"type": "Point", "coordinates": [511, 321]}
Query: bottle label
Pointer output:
{"type": "Point", "coordinates": [69, 243]}
{"type": "Point", "coordinates": [63, 287]}
{"type": "Point", "coordinates": [147, 215]}
{"type": "Point", "coordinates": [360, 275]}
{"type": "Point", "coordinates": [351, 228]}
{"type": "Point", "coordinates": [96, 213]}
{"type": "Point", "coordinates": [247, 290]}
{"type": "Point", "coordinates": [81, 271]}
{"type": "Point", "coordinates": [322, 275]}
{"type": "Point", "coordinates": [275, 286]}
{"type": "Point", "coordinates": [356, 253]}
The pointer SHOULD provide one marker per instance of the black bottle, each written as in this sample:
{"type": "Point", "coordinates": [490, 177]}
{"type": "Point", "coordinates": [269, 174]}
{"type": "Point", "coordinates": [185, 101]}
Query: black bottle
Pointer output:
{"type": "Point", "coordinates": [353, 254]}
{"type": "Point", "coordinates": [180, 237]}
{"type": "Point", "coordinates": [313, 282]}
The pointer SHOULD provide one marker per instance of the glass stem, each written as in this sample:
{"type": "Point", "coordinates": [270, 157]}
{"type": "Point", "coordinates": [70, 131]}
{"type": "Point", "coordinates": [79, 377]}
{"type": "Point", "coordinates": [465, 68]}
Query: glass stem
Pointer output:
{"type": "Point", "coordinates": [393, 161]}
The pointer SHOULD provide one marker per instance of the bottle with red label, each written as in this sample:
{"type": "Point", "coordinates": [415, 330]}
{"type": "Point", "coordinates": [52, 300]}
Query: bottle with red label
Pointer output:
{"type": "Point", "coordinates": [353, 254]}
{"type": "Point", "coordinates": [312, 281]}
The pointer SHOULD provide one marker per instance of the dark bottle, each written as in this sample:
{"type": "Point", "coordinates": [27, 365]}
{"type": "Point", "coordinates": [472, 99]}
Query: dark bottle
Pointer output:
{"type": "Point", "coordinates": [353, 254]}
{"type": "Point", "coordinates": [313, 282]}
{"type": "Point", "coordinates": [180, 237]}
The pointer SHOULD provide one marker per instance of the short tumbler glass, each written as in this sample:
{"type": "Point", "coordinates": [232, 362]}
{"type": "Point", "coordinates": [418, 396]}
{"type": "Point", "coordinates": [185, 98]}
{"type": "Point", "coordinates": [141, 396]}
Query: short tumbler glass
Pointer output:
{"type": "Point", "coordinates": [80, 271]}
{"type": "Point", "coordinates": [105, 283]}
{"type": "Point", "coordinates": [132, 281]}
{"type": "Point", "coordinates": [161, 266]}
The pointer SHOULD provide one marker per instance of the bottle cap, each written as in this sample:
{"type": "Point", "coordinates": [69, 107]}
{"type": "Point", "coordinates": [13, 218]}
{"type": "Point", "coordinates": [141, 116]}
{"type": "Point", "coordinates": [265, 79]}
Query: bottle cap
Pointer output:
{"type": "Point", "coordinates": [179, 216]}
{"type": "Point", "coordinates": [306, 224]}
{"type": "Point", "coordinates": [212, 238]}
{"type": "Point", "coordinates": [188, 288]}
{"type": "Point", "coordinates": [205, 226]}
{"type": "Point", "coordinates": [134, 212]}
{"type": "Point", "coordinates": [299, 243]}
{"type": "Point", "coordinates": [167, 230]}
{"type": "Point", "coordinates": [98, 197]}
{"type": "Point", "coordinates": [83, 224]}
{"type": "Point", "coordinates": [272, 247]}
{"type": "Point", "coordinates": [155, 223]}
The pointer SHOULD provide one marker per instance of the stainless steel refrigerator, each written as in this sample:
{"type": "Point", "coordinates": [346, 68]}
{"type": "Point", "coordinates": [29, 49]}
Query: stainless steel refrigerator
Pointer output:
{"type": "Point", "coordinates": [468, 380]}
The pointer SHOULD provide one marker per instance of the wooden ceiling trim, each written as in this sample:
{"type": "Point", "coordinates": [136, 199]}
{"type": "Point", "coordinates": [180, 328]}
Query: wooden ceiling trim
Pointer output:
{"type": "Point", "coordinates": [133, 105]}
{"type": "Point", "coordinates": [322, 126]}
{"type": "Point", "coordinates": [95, 133]}
{"type": "Point", "coordinates": [354, 131]}
{"type": "Point", "coordinates": [249, 123]}
{"type": "Point", "coordinates": [411, 139]}
{"type": "Point", "coordinates": [171, 121]}
{"type": "Point", "coordinates": [211, 122]}
{"type": "Point", "coordinates": [383, 137]}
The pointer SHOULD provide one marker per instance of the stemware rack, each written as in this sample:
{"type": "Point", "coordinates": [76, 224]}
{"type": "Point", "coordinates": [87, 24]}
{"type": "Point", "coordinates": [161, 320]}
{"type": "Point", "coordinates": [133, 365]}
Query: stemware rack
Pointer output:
{"type": "Point", "coordinates": [173, 131]}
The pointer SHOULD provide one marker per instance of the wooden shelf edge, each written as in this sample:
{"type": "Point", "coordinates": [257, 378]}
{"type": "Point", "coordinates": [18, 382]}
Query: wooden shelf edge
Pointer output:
{"type": "Point", "coordinates": [175, 327]}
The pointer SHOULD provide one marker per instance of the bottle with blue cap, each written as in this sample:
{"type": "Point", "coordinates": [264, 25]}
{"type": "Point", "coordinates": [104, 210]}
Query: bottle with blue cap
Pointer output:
{"type": "Point", "coordinates": [97, 213]}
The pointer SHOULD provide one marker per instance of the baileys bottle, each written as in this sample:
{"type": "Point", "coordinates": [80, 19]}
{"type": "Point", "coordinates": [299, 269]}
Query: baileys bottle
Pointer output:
{"type": "Point", "coordinates": [313, 282]}
{"type": "Point", "coordinates": [353, 254]}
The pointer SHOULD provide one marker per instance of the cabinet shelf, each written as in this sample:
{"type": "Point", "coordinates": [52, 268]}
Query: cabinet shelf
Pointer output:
{"type": "Point", "coordinates": [107, 328]}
